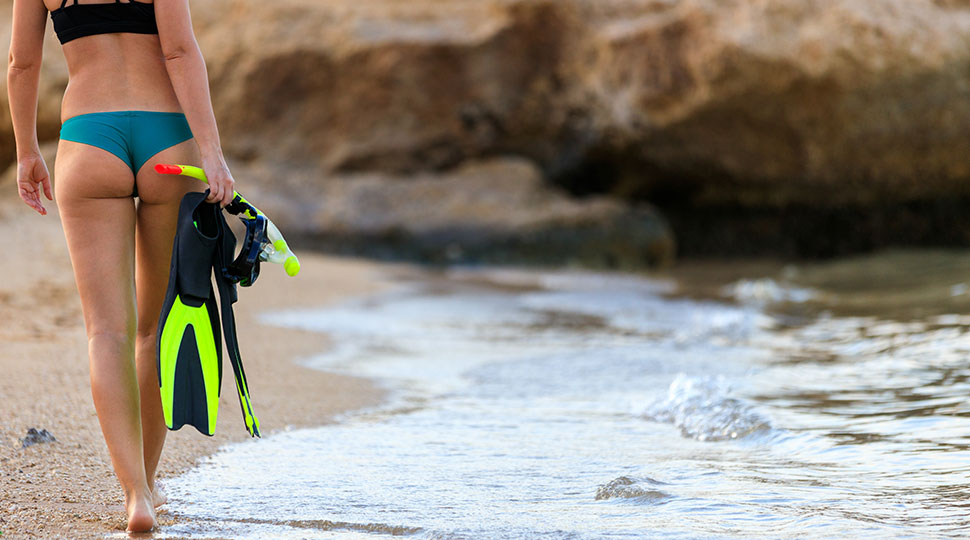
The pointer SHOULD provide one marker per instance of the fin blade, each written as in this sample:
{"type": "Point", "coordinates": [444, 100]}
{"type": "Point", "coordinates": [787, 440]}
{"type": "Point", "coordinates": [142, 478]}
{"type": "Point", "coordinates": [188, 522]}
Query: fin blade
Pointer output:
{"type": "Point", "coordinates": [189, 367]}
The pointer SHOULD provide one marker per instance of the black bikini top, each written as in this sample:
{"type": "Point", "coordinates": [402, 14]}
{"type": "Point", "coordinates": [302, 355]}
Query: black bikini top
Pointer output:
{"type": "Point", "coordinates": [79, 20]}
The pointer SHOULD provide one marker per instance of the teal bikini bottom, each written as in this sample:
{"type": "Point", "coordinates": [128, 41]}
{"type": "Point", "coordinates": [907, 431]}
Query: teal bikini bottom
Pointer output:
{"type": "Point", "coordinates": [133, 136]}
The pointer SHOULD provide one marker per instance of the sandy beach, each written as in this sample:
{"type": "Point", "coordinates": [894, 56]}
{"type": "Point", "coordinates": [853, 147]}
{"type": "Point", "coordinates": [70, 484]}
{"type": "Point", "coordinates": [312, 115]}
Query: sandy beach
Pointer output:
{"type": "Point", "coordinates": [66, 489]}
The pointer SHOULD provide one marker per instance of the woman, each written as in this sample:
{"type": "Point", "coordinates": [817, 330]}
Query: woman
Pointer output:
{"type": "Point", "coordinates": [138, 92]}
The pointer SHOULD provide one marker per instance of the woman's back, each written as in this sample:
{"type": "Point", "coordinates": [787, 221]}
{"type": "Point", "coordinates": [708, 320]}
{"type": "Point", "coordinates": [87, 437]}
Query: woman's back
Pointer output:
{"type": "Point", "coordinates": [114, 71]}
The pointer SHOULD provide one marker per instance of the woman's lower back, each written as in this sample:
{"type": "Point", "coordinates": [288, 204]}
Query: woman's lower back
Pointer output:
{"type": "Point", "coordinates": [116, 72]}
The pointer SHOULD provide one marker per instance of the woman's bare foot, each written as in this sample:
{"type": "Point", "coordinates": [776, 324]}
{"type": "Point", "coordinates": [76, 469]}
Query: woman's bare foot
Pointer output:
{"type": "Point", "coordinates": [141, 515]}
{"type": "Point", "coordinates": [158, 495]}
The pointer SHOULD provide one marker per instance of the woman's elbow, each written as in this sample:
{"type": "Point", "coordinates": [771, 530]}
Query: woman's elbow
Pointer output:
{"type": "Point", "coordinates": [21, 62]}
{"type": "Point", "coordinates": [178, 52]}
{"type": "Point", "coordinates": [174, 53]}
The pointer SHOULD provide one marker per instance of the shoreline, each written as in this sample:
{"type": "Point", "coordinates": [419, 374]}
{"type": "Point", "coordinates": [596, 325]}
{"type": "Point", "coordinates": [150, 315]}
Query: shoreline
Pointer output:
{"type": "Point", "coordinates": [67, 489]}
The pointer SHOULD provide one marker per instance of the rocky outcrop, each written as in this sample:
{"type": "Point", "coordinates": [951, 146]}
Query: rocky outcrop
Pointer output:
{"type": "Point", "coordinates": [804, 127]}
{"type": "Point", "coordinates": [704, 107]}
{"type": "Point", "coordinates": [736, 100]}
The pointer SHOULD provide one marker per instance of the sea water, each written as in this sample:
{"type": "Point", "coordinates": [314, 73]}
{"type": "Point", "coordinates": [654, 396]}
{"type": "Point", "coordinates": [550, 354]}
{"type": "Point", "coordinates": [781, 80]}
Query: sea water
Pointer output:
{"type": "Point", "coordinates": [827, 401]}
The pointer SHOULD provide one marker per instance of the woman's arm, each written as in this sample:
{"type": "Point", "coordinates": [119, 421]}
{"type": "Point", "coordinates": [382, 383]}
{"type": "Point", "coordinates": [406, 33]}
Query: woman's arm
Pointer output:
{"type": "Point", "coordinates": [186, 69]}
{"type": "Point", "coordinates": [23, 76]}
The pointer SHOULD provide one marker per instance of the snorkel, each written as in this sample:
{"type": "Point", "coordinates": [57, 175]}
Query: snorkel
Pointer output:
{"type": "Point", "coordinates": [275, 251]}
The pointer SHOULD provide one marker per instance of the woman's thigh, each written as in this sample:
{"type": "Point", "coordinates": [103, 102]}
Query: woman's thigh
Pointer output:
{"type": "Point", "coordinates": [159, 198]}
{"type": "Point", "coordinates": [93, 194]}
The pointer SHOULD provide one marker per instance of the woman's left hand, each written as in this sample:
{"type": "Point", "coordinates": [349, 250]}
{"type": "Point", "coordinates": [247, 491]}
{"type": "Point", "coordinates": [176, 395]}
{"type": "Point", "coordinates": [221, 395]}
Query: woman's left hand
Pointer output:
{"type": "Point", "coordinates": [32, 177]}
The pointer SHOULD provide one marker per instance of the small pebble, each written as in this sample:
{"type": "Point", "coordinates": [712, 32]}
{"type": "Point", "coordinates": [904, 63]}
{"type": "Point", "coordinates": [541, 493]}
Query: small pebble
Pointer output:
{"type": "Point", "coordinates": [35, 437]}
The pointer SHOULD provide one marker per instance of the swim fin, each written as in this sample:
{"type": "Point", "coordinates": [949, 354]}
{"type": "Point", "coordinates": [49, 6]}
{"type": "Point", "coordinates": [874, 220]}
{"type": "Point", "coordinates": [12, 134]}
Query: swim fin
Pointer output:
{"type": "Point", "coordinates": [189, 344]}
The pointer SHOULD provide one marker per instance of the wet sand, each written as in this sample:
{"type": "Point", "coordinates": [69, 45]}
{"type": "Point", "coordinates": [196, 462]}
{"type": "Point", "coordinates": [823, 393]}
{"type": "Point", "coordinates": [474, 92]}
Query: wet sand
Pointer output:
{"type": "Point", "coordinates": [66, 489]}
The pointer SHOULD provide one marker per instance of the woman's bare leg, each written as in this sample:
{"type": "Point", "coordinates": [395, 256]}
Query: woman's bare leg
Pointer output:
{"type": "Point", "coordinates": [158, 206]}
{"type": "Point", "coordinates": [93, 190]}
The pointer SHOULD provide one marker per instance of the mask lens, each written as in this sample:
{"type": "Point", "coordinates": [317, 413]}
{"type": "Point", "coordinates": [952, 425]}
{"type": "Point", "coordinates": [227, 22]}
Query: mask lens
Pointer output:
{"type": "Point", "coordinates": [245, 268]}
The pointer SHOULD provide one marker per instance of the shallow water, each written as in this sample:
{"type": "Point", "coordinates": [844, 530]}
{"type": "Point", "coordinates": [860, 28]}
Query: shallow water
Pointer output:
{"type": "Point", "coordinates": [792, 402]}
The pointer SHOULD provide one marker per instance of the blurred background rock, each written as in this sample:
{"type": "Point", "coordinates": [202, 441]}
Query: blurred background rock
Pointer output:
{"type": "Point", "coordinates": [609, 133]}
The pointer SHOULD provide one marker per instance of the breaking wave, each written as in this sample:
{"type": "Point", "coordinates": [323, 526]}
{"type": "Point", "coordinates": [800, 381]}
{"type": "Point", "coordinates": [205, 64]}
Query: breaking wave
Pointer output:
{"type": "Point", "coordinates": [703, 410]}
{"type": "Point", "coordinates": [642, 489]}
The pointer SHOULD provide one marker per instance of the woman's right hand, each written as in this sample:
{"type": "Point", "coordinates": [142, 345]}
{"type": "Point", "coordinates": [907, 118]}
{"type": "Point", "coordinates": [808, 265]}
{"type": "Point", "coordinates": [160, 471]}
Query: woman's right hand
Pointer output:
{"type": "Point", "coordinates": [32, 177]}
{"type": "Point", "coordinates": [221, 182]}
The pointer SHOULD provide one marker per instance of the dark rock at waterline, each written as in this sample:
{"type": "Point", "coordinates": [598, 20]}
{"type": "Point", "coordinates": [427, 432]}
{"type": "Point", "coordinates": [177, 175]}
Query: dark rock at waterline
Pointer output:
{"type": "Point", "coordinates": [496, 211]}
{"type": "Point", "coordinates": [817, 231]}
{"type": "Point", "coordinates": [36, 437]}
{"type": "Point", "coordinates": [601, 246]}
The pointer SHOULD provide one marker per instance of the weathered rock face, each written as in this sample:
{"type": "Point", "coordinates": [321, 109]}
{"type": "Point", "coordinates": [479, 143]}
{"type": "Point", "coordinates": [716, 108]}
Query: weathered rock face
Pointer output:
{"type": "Point", "coordinates": [385, 86]}
{"type": "Point", "coordinates": [730, 105]}
{"type": "Point", "coordinates": [756, 125]}
{"type": "Point", "coordinates": [724, 99]}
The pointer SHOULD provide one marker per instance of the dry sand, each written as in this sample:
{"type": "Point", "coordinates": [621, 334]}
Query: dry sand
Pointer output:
{"type": "Point", "coordinates": [67, 489]}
